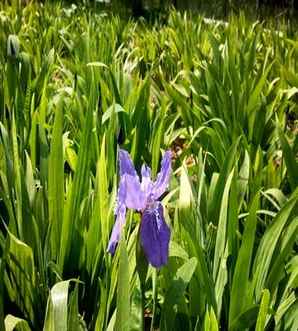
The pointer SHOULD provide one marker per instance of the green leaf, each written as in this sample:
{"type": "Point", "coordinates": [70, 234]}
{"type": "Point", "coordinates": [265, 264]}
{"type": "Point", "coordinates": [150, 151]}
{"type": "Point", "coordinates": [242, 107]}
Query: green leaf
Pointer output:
{"type": "Point", "coordinates": [268, 244]}
{"type": "Point", "coordinates": [57, 312]}
{"type": "Point", "coordinates": [111, 111]}
{"type": "Point", "coordinates": [17, 179]}
{"type": "Point", "coordinates": [22, 269]}
{"type": "Point", "coordinates": [2, 269]}
{"type": "Point", "coordinates": [176, 250]}
{"type": "Point", "coordinates": [74, 321]}
{"type": "Point", "coordinates": [287, 245]}
{"type": "Point", "coordinates": [210, 322]}
{"type": "Point", "coordinates": [123, 293]}
{"type": "Point", "coordinates": [290, 159]}
{"type": "Point", "coordinates": [215, 199]}
{"type": "Point", "coordinates": [56, 182]}
{"type": "Point", "coordinates": [222, 226]}
{"type": "Point", "coordinates": [246, 319]}
{"type": "Point", "coordinates": [11, 322]}
{"type": "Point", "coordinates": [240, 281]}
{"type": "Point", "coordinates": [137, 309]}
{"type": "Point", "coordinates": [176, 291]}
{"type": "Point", "coordinates": [263, 312]}
{"type": "Point", "coordinates": [284, 307]}
{"type": "Point", "coordinates": [97, 238]}
{"type": "Point", "coordinates": [73, 225]}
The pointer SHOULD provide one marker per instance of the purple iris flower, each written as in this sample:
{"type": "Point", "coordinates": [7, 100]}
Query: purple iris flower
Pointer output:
{"type": "Point", "coordinates": [143, 196]}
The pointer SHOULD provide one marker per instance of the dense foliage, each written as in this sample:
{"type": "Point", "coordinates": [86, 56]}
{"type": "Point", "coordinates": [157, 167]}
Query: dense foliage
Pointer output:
{"type": "Point", "coordinates": [75, 85]}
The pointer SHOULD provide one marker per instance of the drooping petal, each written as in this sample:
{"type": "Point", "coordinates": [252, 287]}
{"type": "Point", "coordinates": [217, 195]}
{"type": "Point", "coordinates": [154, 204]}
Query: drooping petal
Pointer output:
{"type": "Point", "coordinates": [146, 184]}
{"type": "Point", "coordinates": [163, 177]}
{"type": "Point", "coordinates": [125, 163]}
{"type": "Point", "coordinates": [155, 235]}
{"type": "Point", "coordinates": [135, 198]}
{"type": "Point", "coordinates": [117, 229]}
{"type": "Point", "coordinates": [120, 212]}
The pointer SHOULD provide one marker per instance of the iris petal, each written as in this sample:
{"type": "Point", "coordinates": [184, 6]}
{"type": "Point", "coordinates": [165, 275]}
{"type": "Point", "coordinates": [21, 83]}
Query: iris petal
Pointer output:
{"type": "Point", "coordinates": [154, 232]}
{"type": "Point", "coordinates": [155, 235]}
{"type": "Point", "coordinates": [147, 183]}
{"type": "Point", "coordinates": [135, 197]}
{"type": "Point", "coordinates": [125, 164]}
{"type": "Point", "coordinates": [117, 229]}
{"type": "Point", "coordinates": [163, 177]}
{"type": "Point", "coordinates": [120, 212]}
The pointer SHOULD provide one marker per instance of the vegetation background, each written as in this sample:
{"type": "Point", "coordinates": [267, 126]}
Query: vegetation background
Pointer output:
{"type": "Point", "coordinates": [78, 81]}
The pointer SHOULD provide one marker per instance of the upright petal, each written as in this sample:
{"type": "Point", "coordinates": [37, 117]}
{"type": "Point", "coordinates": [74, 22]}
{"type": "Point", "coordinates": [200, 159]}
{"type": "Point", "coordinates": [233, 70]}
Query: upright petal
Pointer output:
{"type": "Point", "coordinates": [135, 198]}
{"type": "Point", "coordinates": [163, 177]}
{"type": "Point", "coordinates": [155, 235]}
{"type": "Point", "coordinates": [125, 164]}
{"type": "Point", "coordinates": [146, 184]}
{"type": "Point", "coordinates": [120, 212]}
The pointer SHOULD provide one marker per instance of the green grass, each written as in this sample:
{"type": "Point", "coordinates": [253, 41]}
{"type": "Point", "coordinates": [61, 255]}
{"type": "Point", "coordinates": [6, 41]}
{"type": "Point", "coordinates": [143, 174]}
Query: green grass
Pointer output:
{"type": "Point", "coordinates": [75, 84]}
